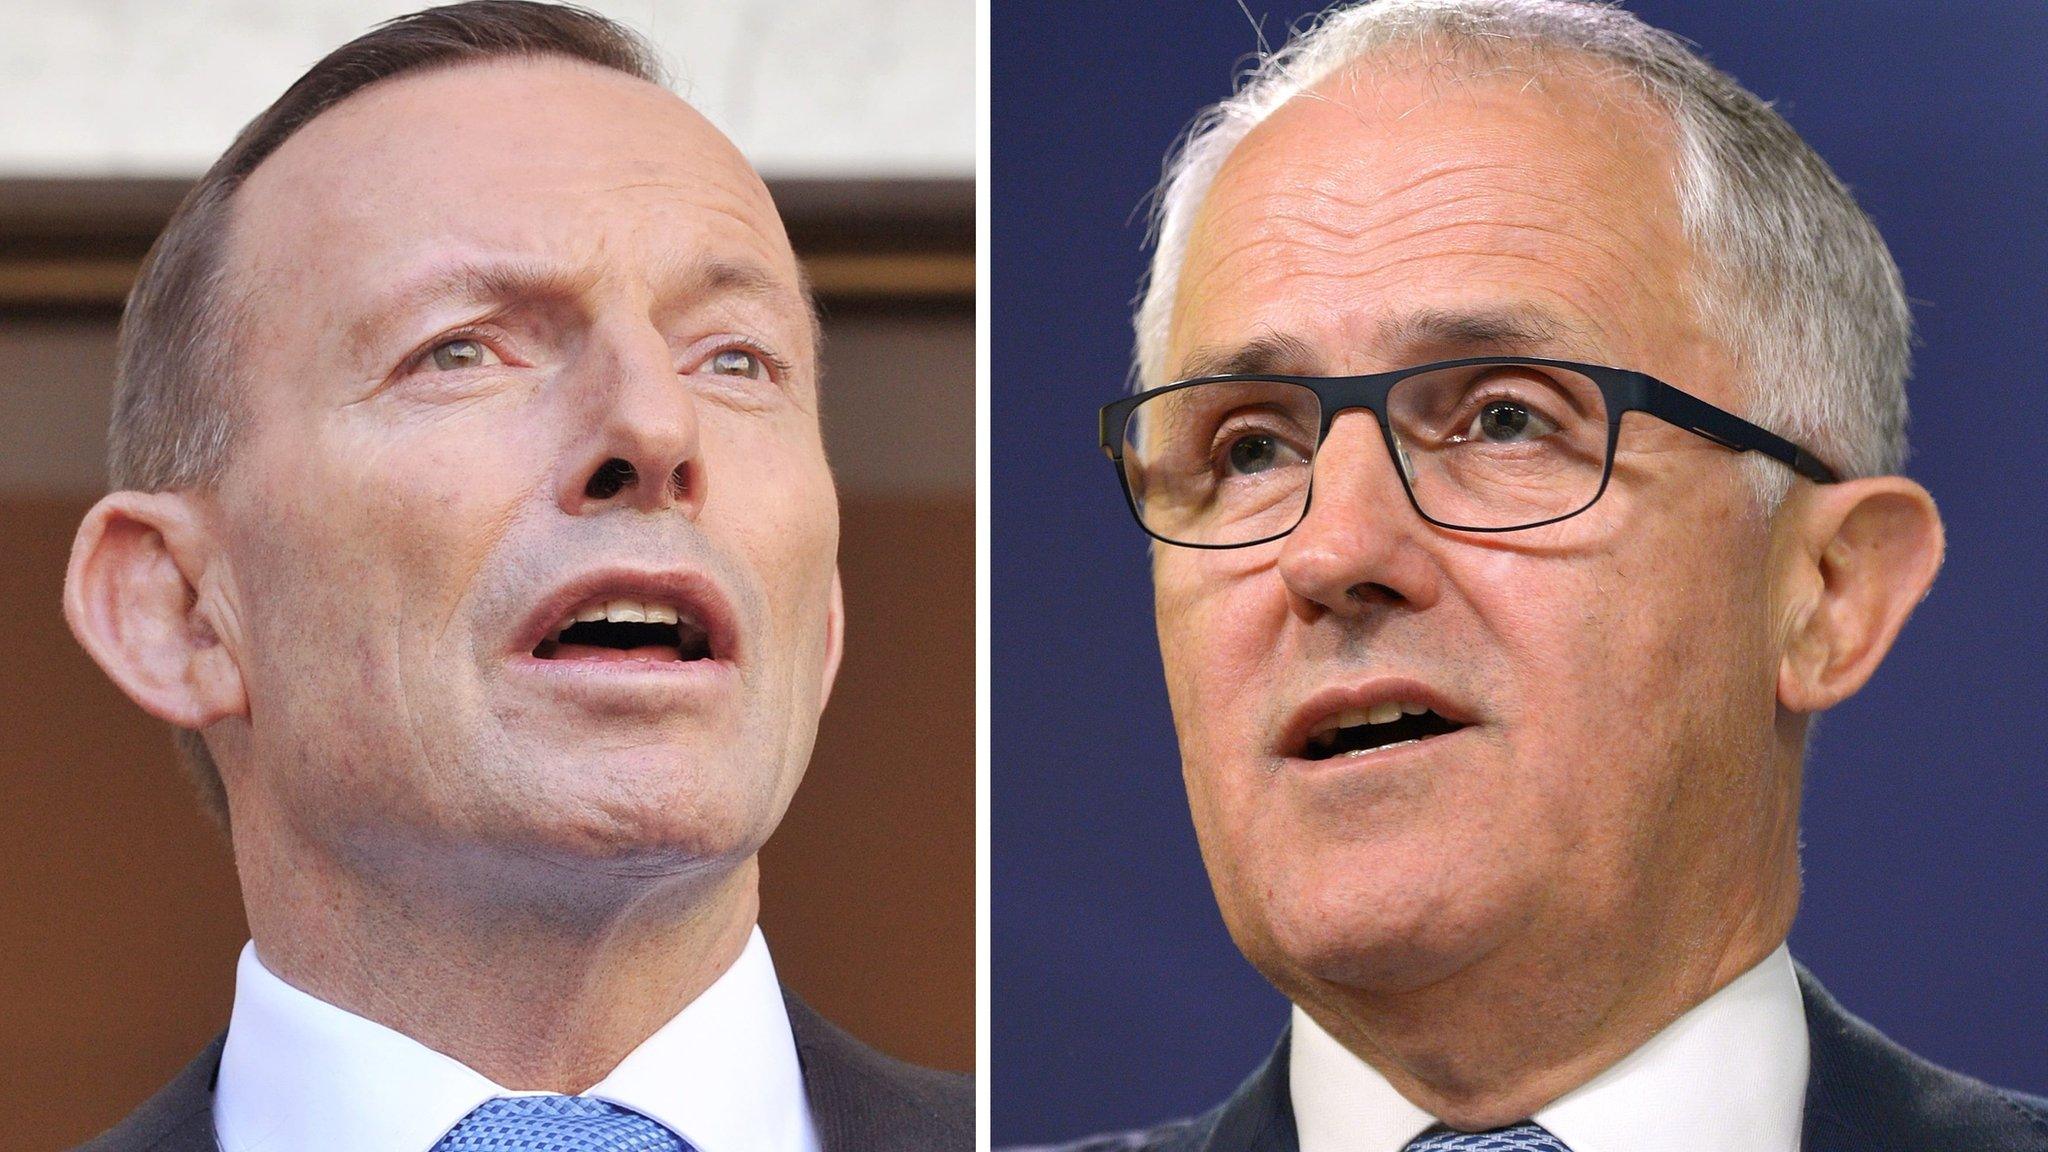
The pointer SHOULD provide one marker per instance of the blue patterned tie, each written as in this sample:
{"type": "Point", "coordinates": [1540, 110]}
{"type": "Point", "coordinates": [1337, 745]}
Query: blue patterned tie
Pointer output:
{"type": "Point", "coordinates": [1525, 1137]}
{"type": "Point", "coordinates": [557, 1124]}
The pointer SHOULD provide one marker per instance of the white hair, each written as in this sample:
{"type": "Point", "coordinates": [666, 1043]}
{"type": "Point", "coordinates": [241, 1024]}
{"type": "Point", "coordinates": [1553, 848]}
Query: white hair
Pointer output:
{"type": "Point", "coordinates": [1796, 282]}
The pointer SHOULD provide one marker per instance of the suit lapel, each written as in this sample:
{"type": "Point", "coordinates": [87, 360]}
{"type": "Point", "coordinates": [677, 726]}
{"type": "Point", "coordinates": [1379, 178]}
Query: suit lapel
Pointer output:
{"type": "Point", "coordinates": [1855, 1098]}
{"type": "Point", "coordinates": [177, 1119]}
{"type": "Point", "coordinates": [1259, 1116]}
{"type": "Point", "coordinates": [1867, 1094]}
{"type": "Point", "coordinates": [832, 1084]}
{"type": "Point", "coordinates": [863, 1101]}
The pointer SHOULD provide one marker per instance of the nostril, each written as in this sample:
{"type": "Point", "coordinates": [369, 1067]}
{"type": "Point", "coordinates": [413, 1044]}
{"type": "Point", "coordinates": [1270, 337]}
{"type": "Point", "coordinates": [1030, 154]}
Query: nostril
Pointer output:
{"type": "Point", "coordinates": [611, 476]}
{"type": "Point", "coordinates": [679, 480]}
{"type": "Point", "coordinates": [1373, 592]}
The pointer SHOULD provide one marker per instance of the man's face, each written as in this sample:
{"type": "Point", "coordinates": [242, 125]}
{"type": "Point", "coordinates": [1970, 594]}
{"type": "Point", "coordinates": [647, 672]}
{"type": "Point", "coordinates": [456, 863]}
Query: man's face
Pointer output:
{"type": "Point", "coordinates": [470, 297]}
{"type": "Point", "coordinates": [1614, 782]}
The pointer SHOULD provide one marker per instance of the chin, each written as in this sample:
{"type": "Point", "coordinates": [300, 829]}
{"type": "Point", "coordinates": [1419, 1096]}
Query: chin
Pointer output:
{"type": "Point", "coordinates": [1371, 927]}
{"type": "Point", "coordinates": [654, 812]}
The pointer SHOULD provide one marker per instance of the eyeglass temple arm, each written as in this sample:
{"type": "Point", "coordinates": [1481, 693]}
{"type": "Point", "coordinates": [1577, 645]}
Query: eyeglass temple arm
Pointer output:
{"type": "Point", "coordinates": [1729, 430]}
{"type": "Point", "coordinates": [1109, 426]}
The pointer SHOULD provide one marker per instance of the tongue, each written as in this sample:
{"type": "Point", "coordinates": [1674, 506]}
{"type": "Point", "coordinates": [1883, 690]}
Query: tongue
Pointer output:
{"type": "Point", "coordinates": [648, 654]}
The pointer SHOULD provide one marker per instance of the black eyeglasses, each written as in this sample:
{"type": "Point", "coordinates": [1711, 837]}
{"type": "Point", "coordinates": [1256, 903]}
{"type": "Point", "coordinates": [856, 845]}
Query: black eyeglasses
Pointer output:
{"type": "Point", "coordinates": [1488, 444]}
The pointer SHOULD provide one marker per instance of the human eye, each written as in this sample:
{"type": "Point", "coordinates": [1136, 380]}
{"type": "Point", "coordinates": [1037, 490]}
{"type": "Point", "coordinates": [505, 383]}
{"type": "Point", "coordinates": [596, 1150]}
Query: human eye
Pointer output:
{"type": "Point", "coordinates": [744, 362]}
{"type": "Point", "coordinates": [1519, 405]}
{"type": "Point", "coordinates": [1507, 421]}
{"type": "Point", "coordinates": [738, 362]}
{"type": "Point", "coordinates": [455, 353]}
{"type": "Point", "coordinates": [1247, 445]}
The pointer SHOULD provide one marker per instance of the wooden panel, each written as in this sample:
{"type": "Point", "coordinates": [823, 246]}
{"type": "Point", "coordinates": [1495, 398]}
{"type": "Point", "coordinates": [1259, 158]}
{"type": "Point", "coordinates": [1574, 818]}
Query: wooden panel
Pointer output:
{"type": "Point", "coordinates": [78, 242]}
{"type": "Point", "coordinates": [868, 888]}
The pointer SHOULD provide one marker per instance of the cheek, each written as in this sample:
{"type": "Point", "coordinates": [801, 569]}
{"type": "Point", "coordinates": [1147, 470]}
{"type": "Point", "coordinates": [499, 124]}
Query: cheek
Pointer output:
{"type": "Point", "coordinates": [772, 503]}
{"type": "Point", "coordinates": [1633, 669]}
{"type": "Point", "coordinates": [1624, 619]}
{"type": "Point", "coordinates": [424, 518]}
{"type": "Point", "coordinates": [363, 545]}
{"type": "Point", "coordinates": [1220, 618]}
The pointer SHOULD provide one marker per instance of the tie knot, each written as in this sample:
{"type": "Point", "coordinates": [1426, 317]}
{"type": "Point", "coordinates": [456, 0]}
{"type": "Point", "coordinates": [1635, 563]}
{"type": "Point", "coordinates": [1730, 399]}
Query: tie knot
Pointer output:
{"type": "Point", "coordinates": [1524, 1137]}
{"type": "Point", "coordinates": [557, 1124]}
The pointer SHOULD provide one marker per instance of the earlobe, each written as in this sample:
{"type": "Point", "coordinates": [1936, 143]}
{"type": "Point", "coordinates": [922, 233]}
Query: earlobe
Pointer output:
{"type": "Point", "coordinates": [130, 596]}
{"type": "Point", "coordinates": [1871, 550]}
{"type": "Point", "coordinates": [835, 638]}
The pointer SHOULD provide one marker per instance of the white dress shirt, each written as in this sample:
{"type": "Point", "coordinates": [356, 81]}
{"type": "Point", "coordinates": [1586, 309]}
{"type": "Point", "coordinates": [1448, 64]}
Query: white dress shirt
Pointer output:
{"type": "Point", "coordinates": [301, 1075]}
{"type": "Point", "coordinates": [1728, 1076]}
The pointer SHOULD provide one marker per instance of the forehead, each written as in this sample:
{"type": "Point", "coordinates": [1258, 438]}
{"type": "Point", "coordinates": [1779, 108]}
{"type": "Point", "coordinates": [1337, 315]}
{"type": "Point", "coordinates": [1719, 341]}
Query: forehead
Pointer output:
{"type": "Point", "coordinates": [545, 159]}
{"type": "Point", "coordinates": [1405, 187]}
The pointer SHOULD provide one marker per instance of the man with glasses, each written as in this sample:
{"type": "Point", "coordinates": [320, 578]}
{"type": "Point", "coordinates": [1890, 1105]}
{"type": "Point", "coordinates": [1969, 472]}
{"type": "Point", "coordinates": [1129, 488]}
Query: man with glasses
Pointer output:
{"type": "Point", "coordinates": [1519, 416]}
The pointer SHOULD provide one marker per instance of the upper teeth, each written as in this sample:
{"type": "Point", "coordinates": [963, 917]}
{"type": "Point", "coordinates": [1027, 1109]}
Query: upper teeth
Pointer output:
{"type": "Point", "coordinates": [1385, 712]}
{"type": "Point", "coordinates": [618, 612]}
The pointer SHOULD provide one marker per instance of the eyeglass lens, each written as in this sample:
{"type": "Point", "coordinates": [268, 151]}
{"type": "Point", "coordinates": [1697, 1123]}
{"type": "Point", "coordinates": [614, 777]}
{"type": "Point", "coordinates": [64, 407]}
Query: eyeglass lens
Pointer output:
{"type": "Point", "coordinates": [1488, 446]}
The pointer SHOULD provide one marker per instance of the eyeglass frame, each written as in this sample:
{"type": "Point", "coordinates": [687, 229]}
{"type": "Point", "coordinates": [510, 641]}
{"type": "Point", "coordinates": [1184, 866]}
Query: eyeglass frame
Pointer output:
{"type": "Point", "coordinates": [1621, 389]}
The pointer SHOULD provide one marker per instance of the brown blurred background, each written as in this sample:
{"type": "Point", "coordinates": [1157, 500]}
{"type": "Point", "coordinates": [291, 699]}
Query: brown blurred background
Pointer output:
{"type": "Point", "coordinates": [122, 921]}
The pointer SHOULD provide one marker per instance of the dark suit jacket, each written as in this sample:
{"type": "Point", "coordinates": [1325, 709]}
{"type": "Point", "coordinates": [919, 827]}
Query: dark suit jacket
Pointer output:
{"type": "Point", "coordinates": [862, 1100]}
{"type": "Point", "coordinates": [1863, 1094]}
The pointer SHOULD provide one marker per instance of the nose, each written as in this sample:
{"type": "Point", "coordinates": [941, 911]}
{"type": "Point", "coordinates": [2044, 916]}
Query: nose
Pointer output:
{"type": "Point", "coordinates": [1361, 544]}
{"type": "Point", "coordinates": [642, 448]}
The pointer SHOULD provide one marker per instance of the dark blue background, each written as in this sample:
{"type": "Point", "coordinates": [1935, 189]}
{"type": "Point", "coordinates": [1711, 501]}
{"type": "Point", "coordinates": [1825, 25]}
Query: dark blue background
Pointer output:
{"type": "Point", "coordinates": [1117, 997]}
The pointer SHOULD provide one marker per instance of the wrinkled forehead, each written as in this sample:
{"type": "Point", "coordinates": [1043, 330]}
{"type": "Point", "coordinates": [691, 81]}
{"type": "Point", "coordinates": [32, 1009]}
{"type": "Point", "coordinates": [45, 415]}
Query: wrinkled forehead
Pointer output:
{"type": "Point", "coordinates": [556, 162]}
{"type": "Point", "coordinates": [1572, 97]}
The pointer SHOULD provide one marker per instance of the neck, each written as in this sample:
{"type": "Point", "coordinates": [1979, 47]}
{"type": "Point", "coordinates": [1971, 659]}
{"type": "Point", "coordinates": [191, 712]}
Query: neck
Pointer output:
{"type": "Point", "coordinates": [1499, 1040]}
{"type": "Point", "coordinates": [544, 992]}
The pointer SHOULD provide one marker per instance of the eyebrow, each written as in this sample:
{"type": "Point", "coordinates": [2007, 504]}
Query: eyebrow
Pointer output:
{"type": "Point", "coordinates": [506, 280]}
{"type": "Point", "coordinates": [1428, 333]}
{"type": "Point", "coordinates": [1272, 353]}
{"type": "Point", "coordinates": [1508, 328]}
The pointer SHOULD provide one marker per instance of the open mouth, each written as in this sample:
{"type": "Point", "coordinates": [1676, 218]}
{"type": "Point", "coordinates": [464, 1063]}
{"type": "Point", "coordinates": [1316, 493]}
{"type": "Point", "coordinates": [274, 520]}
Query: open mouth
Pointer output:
{"type": "Point", "coordinates": [1369, 729]}
{"type": "Point", "coordinates": [627, 630]}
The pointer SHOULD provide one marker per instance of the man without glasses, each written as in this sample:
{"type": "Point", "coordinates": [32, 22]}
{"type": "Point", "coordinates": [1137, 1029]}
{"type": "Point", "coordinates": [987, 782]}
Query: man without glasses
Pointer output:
{"type": "Point", "coordinates": [470, 500]}
{"type": "Point", "coordinates": [1492, 733]}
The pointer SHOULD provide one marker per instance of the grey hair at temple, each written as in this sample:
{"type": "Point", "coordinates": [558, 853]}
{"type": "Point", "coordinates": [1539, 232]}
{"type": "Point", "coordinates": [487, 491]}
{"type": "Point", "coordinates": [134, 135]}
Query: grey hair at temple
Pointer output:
{"type": "Point", "coordinates": [1795, 280]}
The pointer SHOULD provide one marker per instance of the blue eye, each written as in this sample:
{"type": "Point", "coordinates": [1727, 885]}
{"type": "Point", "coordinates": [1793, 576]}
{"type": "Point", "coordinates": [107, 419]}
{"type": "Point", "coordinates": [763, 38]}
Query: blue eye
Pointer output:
{"type": "Point", "coordinates": [462, 352]}
{"type": "Point", "coordinates": [738, 362]}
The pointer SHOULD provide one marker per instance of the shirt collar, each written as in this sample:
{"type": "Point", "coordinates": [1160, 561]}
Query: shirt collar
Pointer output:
{"type": "Point", "coordinates": [723, 1074]}
{"type": "Point", "coordinates": [1341, 1103]}
{"type": "Point", "coordinates": [298, 1073]}
{"type": "Point", "coordinates": [1728, 1076]}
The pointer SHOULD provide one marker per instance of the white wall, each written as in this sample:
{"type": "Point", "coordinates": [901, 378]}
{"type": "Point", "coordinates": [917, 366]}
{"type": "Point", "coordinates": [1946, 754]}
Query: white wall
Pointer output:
{"type": "Point", "coordinates": [806, 87]}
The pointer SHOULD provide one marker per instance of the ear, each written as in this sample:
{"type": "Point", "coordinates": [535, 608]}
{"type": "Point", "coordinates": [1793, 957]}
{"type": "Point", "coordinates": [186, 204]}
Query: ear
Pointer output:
{"type": "Point", "coordinates": [835, 637]}
{"type": "Point", "coordinates": [1863, 555]}
{"type": "Point", "coordinates": [131, 597]}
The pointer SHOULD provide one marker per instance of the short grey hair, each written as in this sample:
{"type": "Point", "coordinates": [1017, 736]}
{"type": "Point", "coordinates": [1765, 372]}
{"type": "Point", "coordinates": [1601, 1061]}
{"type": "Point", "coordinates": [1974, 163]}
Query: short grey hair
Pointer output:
{"type": "Point", "coordinates": [1796, 282]}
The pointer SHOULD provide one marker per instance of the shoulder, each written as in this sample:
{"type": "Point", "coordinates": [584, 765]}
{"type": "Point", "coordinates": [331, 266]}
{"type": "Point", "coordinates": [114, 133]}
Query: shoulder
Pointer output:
{"type": "Point", "coordinates": [1865, 1091]}
{"type": "Point", "coordinates": [1258, 1117]}
{"type": "Point", "coordinates": [863, 1099]}
{"type": "Point", "coordinates": [177, 1119]}
{"type": "Point", "coordinates": [1178, 1136]}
